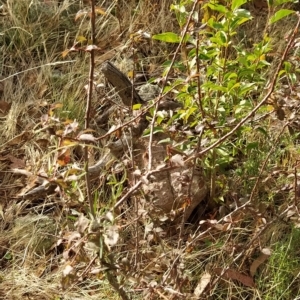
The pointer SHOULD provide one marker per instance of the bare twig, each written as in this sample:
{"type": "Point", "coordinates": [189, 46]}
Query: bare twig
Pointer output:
{"type": "Point", "coordinates": [88, 108]}
{"type": "Point", "coordinates": [199, 79]}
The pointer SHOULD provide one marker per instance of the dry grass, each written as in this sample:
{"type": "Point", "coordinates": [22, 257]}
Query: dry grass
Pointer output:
{"type": "Point", "coordinates": [35, 238]}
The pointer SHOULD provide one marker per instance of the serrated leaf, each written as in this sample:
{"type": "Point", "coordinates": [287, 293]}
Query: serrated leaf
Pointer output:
{"type": "Point", "coordinates": [280, 15]}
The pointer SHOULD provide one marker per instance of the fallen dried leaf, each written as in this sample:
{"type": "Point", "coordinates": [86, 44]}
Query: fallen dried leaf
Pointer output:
{"type": "Point", "coordinates": [177, 160]}
{"type": "Point", "coordinates": [87, 138]}
{"type": "Point", "coordinates": [111, 236]}
{"type": "Point", "coordinates": [64, 157]}
{"type": "Point", "coordinates": [202, 284]}
{"type": "Point", "coordinates": [16, 163]}
{"type": "Point", "coordinates": [4, 108]}
{"type": "Point", "coordinates": [235, 275]}
{"type": "Point", "coordinates": [19, 140]}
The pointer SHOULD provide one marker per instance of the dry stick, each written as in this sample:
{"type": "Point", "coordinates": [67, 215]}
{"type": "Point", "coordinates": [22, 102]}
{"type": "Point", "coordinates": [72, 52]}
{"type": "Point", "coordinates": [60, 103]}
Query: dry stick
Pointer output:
{"type": "Point", "coordinates": [165, 81]}
{"type": "Point", "coordinates": [136, 260]}
{"type": "Point", "coordinates": [296, 187]}
{"type": "Point", "coordinates": [87, 112]}
{"type": "Point", "coordinates": [266, 161]}
{"type": "Point", "coordinates": [199, 79]}
{"type": "Point", "coordinates": [260, 104]}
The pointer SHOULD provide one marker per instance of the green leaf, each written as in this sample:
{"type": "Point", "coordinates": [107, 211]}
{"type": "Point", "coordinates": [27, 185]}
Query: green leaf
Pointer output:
{"type": "Point", "coordinates": [246, 87]}
{"type": "Point", "coordinates": [263, 131]}
{"type": "Point", "coordinates": [243, 13]}
{"type": "Point", "coordinates": [234, 86]}
{"type": "Point", "coordinates": [287, 66]}
{"type": "Point", "coordinates": [222, 152]}
{"type": "Point", "coordinates": [214, 87]}
{"type": "Point", "coordinates": [280, 14]}
{"type": "Point", "coordinates": [155, 130]}
{"type": "Point", "coordinates": [237, 3]}
{"type": "Point", "coordinates": [164, 141]}
{"type": "Point", "coordinates": [8, 256]}
{"type": "Point", "coordinates": [292, 77]}
{"type": "Point", "coordinates": [220, 8]}
{"type": "Point", "coordinates": [137, 106]}
{"type": "Point", "coordinates": [213, 24]}
{"type": "Point", "coordinates": [279, 2]}
{"type": "Point", "coordinates": [281, 73]}
{"type": "Point", "coordinates": [253, 145]}
{"type": "Point", "coordinates": [168, 37]}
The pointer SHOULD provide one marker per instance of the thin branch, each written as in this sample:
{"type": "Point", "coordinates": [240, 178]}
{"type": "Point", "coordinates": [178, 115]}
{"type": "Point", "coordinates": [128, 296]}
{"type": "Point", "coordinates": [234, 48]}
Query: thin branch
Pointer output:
{"type": "Point", "coordinates": [88, 109]}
